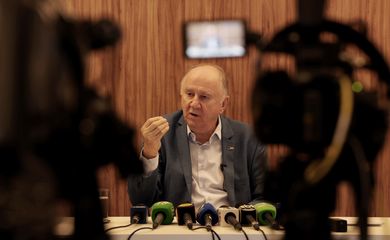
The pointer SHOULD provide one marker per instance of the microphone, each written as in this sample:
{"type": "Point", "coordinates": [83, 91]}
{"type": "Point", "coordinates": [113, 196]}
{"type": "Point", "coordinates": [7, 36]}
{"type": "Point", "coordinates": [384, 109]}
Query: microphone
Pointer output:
{"type": "Point", "coordinates": [185, 214]}
{"type": "Point", "coordinates": [248, 216]}
{"type": "Point", "coordinates": [266, 214]}
{"type": "Point", "coordinates": [228, 216]}
{"type": "Point", "coordinates": [207, 216]}
{"type": "Point", "coordinates": [162, 213]}
{"type": "Point", "coordinates": [138, 214]}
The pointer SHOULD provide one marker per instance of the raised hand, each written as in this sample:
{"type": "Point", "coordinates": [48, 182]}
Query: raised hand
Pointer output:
{"type": "Point", "coordinates": [152, 131]}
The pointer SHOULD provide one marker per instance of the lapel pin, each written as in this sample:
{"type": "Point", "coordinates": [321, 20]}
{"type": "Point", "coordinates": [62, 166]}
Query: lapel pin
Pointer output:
{"type": "Point", "coordinates": [231, 148]}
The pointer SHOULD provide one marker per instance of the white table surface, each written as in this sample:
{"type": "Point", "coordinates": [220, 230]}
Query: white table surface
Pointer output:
{"type": "Point", "coordinates": [381, 231]}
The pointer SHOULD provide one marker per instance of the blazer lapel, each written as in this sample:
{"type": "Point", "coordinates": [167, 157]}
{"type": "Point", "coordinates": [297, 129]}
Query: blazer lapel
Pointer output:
{"type": "Point", "coordinates": [228, 149]}
{"type": "Point", "coordinates": [184, 153]}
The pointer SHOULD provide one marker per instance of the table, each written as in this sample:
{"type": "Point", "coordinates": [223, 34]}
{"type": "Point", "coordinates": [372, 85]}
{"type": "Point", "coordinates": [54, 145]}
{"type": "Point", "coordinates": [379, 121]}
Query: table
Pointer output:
{"type": "Point", "coordinates": [380, 231]}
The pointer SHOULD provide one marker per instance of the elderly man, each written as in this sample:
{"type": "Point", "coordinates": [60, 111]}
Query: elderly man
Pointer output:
{"type": "Point", "coordinates": [196, 154]}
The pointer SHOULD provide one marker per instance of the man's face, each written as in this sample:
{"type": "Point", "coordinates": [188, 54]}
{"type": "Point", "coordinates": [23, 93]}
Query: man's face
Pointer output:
{"type": "Point", "coordinates": [202, 98]}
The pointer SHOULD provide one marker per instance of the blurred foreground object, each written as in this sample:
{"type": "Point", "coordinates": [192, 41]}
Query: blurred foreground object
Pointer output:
{"type": "Point", "coordinates": [319, 108]}
{"type": "Point", "coordinates": [54, 131]}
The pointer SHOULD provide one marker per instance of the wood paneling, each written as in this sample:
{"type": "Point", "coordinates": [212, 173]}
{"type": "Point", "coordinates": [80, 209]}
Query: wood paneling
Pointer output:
{"type": "Point", "coordinates": [143, 72]}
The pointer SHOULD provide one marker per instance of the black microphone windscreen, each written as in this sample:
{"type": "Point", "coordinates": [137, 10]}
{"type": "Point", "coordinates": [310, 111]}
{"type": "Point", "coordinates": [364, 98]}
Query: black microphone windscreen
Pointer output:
{"type": "Point", "coordinates": [185, 209]}
{"type": "Point", "coordinates": [247, 212]}
{"type": "Point", "coordinates": [138, 214]}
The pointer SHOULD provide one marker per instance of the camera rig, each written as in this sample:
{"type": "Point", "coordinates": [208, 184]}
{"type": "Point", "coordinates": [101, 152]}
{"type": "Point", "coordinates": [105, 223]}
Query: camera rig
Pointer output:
{"type": "Point", "coordinates": [55, 132]}
{"type": "Point", "coordinates": [332, 126]}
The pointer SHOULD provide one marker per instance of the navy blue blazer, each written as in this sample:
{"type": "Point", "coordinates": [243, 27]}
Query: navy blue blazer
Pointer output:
{"type": "Point", "coordinates": [243, 158]}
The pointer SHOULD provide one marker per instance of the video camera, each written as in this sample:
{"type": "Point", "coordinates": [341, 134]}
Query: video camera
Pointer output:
{"type": "Point", "coordinates": [331, 123]}
{"type": "Point", "coordinates": [55, 132]}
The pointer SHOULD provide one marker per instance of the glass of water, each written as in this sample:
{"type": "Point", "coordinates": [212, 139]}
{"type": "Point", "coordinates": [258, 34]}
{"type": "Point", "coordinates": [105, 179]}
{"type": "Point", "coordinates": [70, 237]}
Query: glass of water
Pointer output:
{"type": "Point", "coordinates": [104, 197]}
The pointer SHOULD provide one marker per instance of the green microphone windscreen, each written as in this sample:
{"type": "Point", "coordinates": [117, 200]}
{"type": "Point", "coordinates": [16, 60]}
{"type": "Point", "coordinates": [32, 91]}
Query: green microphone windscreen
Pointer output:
{"type": "Point", "coordinates": [262, 209]}
{"type": "Point", "coordinates": [165, 208]}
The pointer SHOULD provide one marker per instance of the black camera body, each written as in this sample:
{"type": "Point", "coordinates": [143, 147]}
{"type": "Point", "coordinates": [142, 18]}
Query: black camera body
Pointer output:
{"type": "Point", "coordinates": [55, 132]}
{"type": "Point", "coordinates": [332, 126]}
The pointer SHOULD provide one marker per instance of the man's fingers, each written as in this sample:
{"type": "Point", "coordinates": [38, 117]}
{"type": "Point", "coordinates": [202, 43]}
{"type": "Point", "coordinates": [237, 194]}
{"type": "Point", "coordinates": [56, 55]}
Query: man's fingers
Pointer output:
{"type": "Point", "coordinates": [152, 124]}
{"type": "Point", "coordinates": [152, 131]}
{"type": "Point", "coordinates": [162, 130]}
{"type": "Point", "coordinates": [155, 128]}
{"type": "Point", "coordinates": [153, 121]}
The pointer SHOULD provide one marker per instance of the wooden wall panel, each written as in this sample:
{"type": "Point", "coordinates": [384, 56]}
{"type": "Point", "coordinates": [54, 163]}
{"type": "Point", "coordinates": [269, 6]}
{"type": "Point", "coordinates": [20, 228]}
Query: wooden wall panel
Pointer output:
{"type": "Point", "coordinates": [143, 72]}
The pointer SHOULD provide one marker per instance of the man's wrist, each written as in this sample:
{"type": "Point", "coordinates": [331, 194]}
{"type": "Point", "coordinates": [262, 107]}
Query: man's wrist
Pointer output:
{"type": "Point", "coordinates": [150, 164]}
{"type": "Point", "coordinates": [149, 154]}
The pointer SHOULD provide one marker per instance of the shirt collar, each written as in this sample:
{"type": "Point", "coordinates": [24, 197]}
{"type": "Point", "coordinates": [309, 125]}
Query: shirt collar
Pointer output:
{"type": "Point", "coordinates": [217, 132]}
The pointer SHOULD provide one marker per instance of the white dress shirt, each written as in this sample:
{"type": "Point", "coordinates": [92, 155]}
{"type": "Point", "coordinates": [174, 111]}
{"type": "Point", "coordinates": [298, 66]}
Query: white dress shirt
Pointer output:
{"type": "Point", "coordinates": [207, 176]}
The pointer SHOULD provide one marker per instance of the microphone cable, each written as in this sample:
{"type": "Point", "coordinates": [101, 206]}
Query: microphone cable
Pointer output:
{"type": "Point", "coordinates": [211, 230]}
{"type": "Point", "coordinates": [246, 236]}
{"type": "Point", "coordinates": [123, 226]}
{"type": "Point", "coordinates": [135, 220]}
{"type": "Point", "coordinates": [261, 230]}
{"type": "Point", "coordinates": [143, 228]}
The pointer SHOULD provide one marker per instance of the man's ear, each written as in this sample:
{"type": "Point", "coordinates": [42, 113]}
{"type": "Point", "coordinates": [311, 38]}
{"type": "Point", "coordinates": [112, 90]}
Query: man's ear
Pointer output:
{"type": "Point", "coordinates": [224, 104]}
